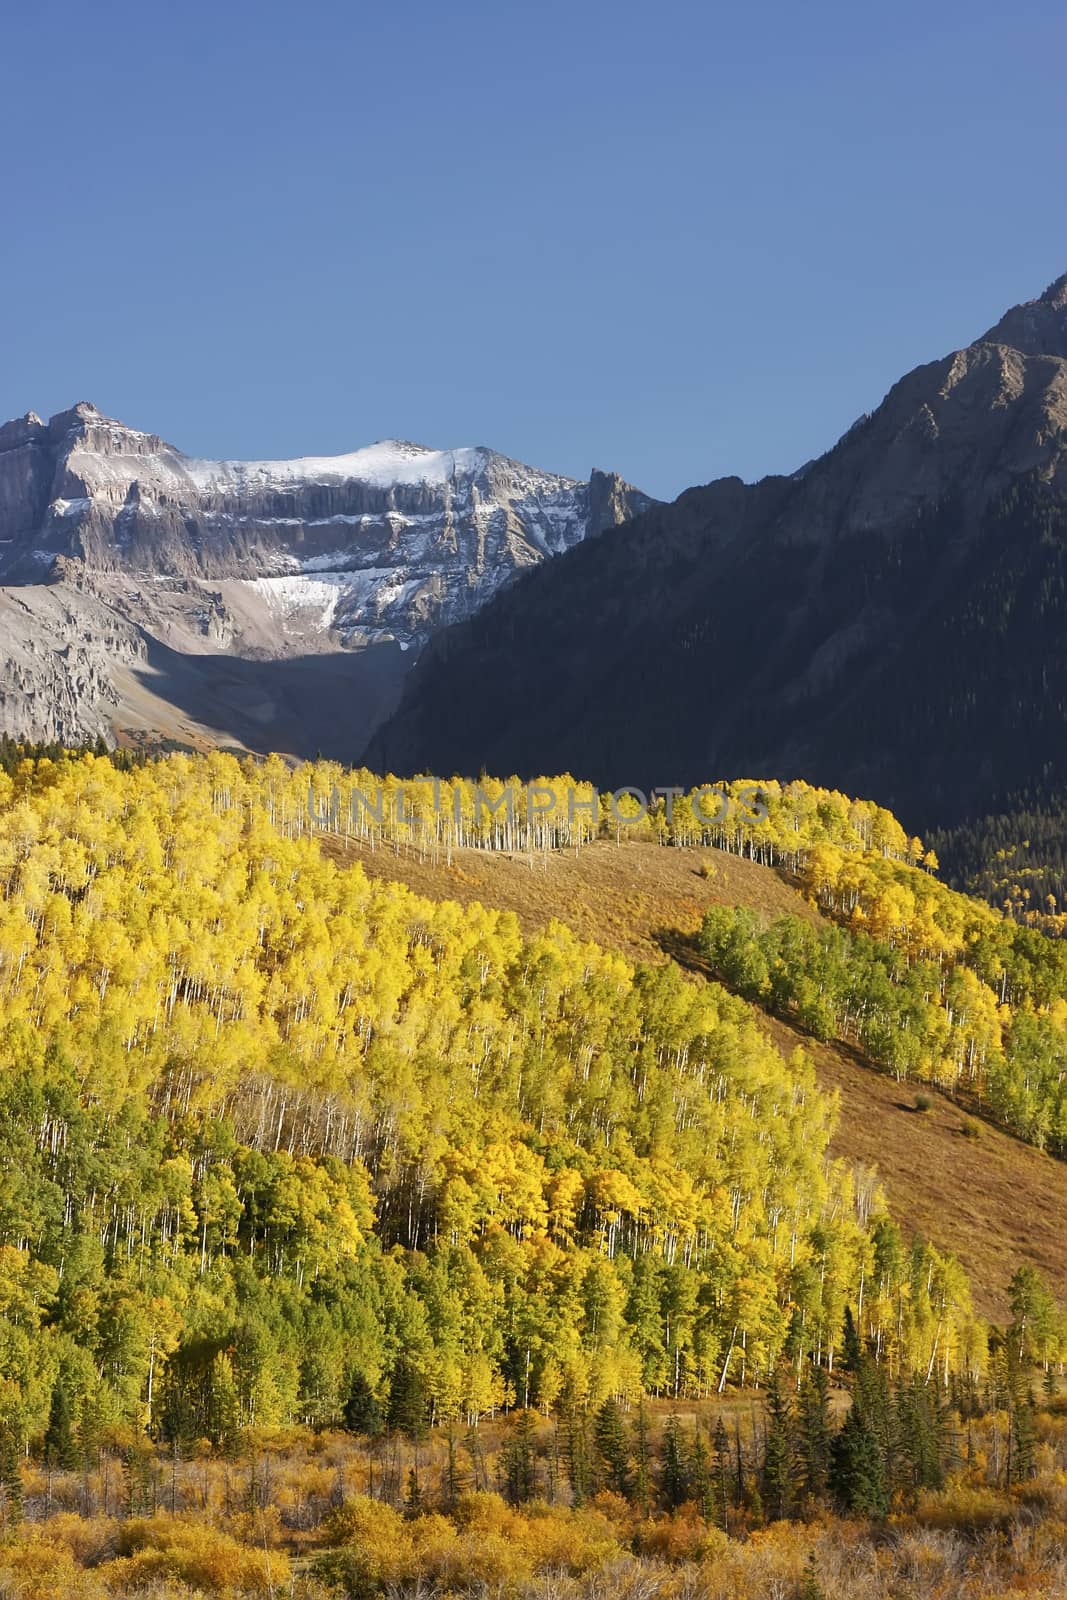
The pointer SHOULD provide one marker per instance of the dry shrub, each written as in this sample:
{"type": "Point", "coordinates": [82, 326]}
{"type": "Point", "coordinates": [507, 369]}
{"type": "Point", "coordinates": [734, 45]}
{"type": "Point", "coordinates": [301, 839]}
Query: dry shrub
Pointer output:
{"type": "Point", "coordinates": [773, 1562]}
{"type": "Point", "coordinates": [90, 1540]}
{"type": "Point", "coordinates": [490, 1547]}
{"type": "Point", "coordinates": [263, 1529]}
{"type": "Point", "coordinates": [32, 1569]}
{"type": "Point", "coordinates": [160, 1549]}
{"type": "Point", "coordinates": [961, 1506]}
{"type": "Point", "coordinates": [683, 1537]}
{"type": "Point", "coordinates": [377, 1547]}
{"type": "Point", "coordinates": [925, 1560]}
{"type": "Point", "coordinates": [618, 1510]}
{"type": "Point", "coordinates": [557, 1540]}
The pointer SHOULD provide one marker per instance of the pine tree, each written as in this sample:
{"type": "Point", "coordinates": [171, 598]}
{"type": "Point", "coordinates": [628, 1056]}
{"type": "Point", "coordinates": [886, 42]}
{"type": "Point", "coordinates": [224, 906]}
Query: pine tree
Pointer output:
{"type": "Point", "coordinates": [777, 1481]}
{"type": "Point", "coordinates": [60, 1452]}
{"type": "Point", "coordinates": [408, 1400]}
{"type": "Point", "coordinates": [519, 1460]}
{"type": "Point", "coordinates": [852, 1348]}
{"type": "Point", "coordinates": [920, 1427]}
{"type": "Point", "coordinates": [674, 1476]}
{"type": "Point", "coordinates": [609, 1435]}
{"type": "Point", "coordinates": [1024, 1440]}
{"type": "Point", "coordinates": [720, 1445]}
{"type": "Point", "coordinates": [810, 1587]}
{"type": "Point", "coordinates": [223, 1405]}
{"type": "Point", "coordinates": [473, 1446]}
{"type": "Point", "coordinates": [814, 1434]}
{"type": "Point", "coordinates": [10, 1476]}
{"type": "Point", "coordinates": [454, 1484]}
{"type": "Point", "coordinates": [857, 1472]}
{"type": "Point", "coordinates": [362, 1413]}
{"type": "Point", "coordinates": [642, 1482]}
{"type": "Point", "coordinates": [575, 1444]}
{"type": "Point", "coordinates": [874, 1398]}
{"type": "Point", "coordinates": [701, 1485]}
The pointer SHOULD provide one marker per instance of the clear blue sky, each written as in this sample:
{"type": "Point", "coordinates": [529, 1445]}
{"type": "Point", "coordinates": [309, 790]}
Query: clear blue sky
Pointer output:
{"type": "Point", "coordinates": [677, 239]}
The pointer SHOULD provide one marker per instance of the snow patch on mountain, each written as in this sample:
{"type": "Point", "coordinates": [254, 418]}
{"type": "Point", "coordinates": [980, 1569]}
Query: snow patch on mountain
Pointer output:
{"type": "Point", "coordinates": [271, 560]}
{"type": "Point", "coordinates": [388, 463]}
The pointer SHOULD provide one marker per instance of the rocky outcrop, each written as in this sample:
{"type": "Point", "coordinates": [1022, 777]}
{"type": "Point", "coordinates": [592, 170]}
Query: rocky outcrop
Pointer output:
{"type": "Point", "coordinates": [259, 560]}
{"type": "Point", "coordinates": [889, 620]}
{"type": "Point", "coordinates": [60, 652]}
{"type": "Point", "coordinates": [394, 540]}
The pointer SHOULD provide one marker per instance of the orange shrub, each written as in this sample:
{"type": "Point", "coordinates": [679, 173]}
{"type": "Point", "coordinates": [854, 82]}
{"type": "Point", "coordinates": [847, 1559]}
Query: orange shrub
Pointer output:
{"type": "Point", "coordinates": [683, 1537]}
{"type": "Point", "coordinates": [90, 1540]}
{"type": "Point", "coordinates": [377, 1545]}
{"type": "Point", "coordinates": [155, 1549]}
{"type": "Point", "coordinates": [558, 1540]}
{"type": "Point", "coordinates": [35, 1570]}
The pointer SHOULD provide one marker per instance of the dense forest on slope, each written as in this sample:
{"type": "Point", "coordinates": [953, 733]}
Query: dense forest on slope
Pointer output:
{"type": "Point", "coordinates": [966, 1195]}
{"type": "Point", "coordinates": [1016, 860]}
{"type": "Point", "coordinates": [930, 984]}
{"type": "Point", "coordinates": [263, 1117]}
{"type": "Point", "coordinates": [285, 1146]}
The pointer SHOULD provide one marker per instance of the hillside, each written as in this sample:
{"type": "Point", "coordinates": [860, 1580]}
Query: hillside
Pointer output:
{"type": "Point", "coordinates": [331, 1203]}
{"type": "Point", "coordinates": [887, 621]}
{"type": "Point", "coordinates": [277, 1134]}
{"type": "Point", "coordinates": [990, 1200]}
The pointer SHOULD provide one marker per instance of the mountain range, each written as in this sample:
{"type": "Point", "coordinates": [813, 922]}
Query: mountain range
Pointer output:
{"type": "Point", "coordinates": [889, 620]}
{"type": "Point", "coordinates": [145, 592]}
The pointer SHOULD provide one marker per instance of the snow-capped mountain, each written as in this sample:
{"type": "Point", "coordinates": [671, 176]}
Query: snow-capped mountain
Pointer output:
{"type": "Point", "coordinates": [259, 560]}
{"type": "Point", "coordinates": [385, 542]}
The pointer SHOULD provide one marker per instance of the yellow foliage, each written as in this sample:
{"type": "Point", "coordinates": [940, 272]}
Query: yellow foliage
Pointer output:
{"type": "Point", "coordinates": [33, 1569]}
{"type": "Point", "coordinates": [163, 1548]}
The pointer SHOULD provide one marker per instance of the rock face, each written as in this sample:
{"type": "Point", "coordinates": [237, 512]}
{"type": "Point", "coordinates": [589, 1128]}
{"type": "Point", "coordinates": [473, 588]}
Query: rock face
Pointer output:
{"type": "Point", "coordinates": [889, 620]}
{"type": "Point", "coordinates": [259, 560]}
{"type": "Point", "coordinates": [60, 653]}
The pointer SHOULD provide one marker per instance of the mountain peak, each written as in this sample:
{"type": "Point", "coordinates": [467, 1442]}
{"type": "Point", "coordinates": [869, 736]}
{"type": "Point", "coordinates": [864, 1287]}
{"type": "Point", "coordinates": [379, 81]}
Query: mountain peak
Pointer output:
{"type": "Point", "coordinates": [401, 446]}
{"type": "Point", "coordinates": [82, 414]}
{"type": "Point", "coordinates": [1037, 327]}
{"type": "Point", "coordinates": [84, 411]}
{"type": "Point", "coordinates": [1056, 293]}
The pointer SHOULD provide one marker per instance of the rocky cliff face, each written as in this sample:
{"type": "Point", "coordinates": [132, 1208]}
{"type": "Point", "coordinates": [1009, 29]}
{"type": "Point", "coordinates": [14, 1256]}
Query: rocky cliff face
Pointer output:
{"type": "Point", "coordinates": [60, 654]}
{"type": "Point", "coordinates": [889, 620]}
{"type": "Point", "coordinates": [261, 561]}
{"type": "Point", "coordinates": [387, 542]}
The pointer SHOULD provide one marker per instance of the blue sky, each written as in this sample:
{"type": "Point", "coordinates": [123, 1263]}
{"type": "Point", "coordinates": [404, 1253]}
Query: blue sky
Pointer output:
{"type": "Point", "coordinates": [676, 239]}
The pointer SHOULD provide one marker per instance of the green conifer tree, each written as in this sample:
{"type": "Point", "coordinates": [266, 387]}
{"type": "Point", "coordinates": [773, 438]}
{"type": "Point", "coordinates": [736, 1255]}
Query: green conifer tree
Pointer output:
{"type": "Point", "coordinates": [362, 1413]}
{"type": "Point", "coordinates": [857, 1471]}
{"type": "Point", "coordinates": [674, 1474]}
{"type": "Point", "coordinates": [60, 1451]}
{"type": "Point", "coordinates": [609, 1435]}
{"type": "Point", "coordinates": [778, 1473]}
{"type": "Point", "coordinates": [814, 1434]}
{"type": "Point", "coordinates": [642, 1480]}
{"type": "Point", "coordinates": [519, 1459]}
{"type": "Point", "coordinates": [409, 1403]}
